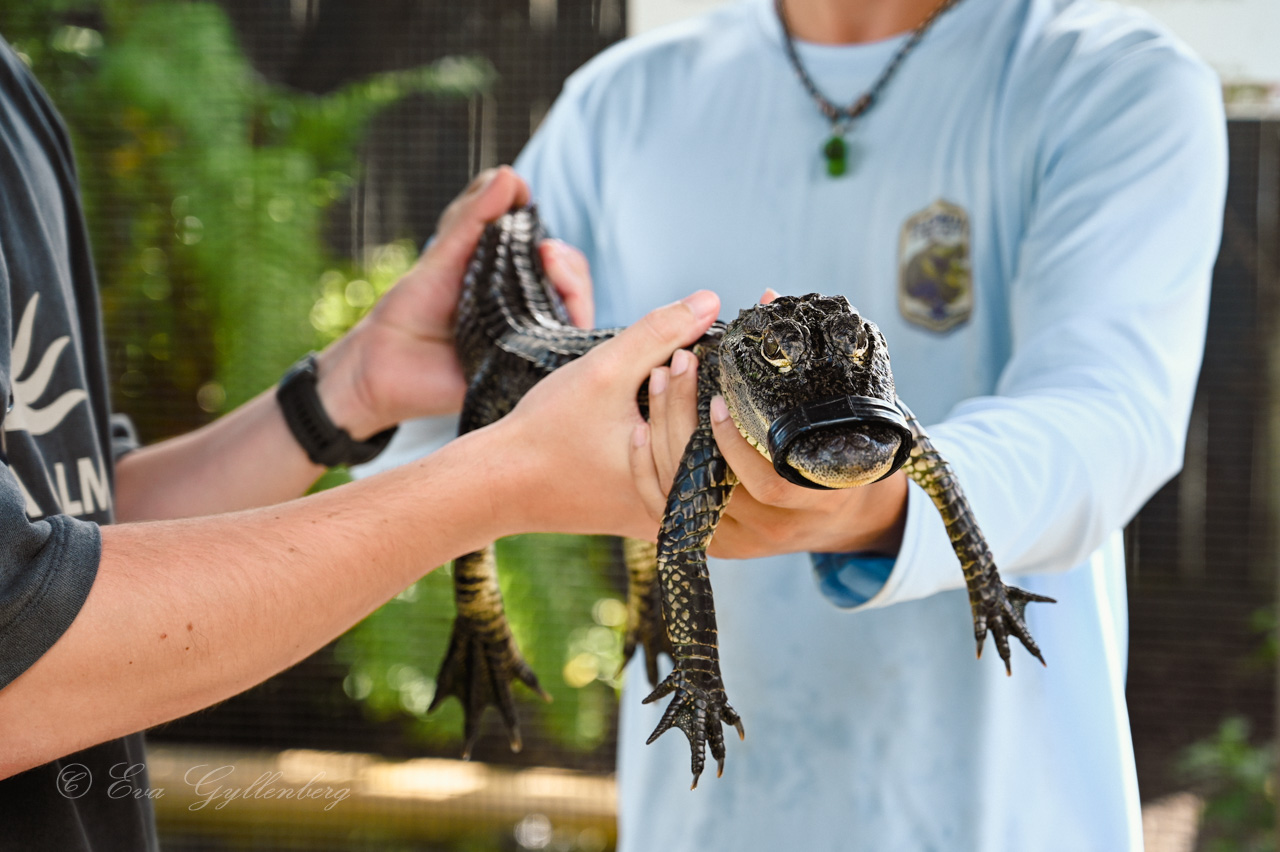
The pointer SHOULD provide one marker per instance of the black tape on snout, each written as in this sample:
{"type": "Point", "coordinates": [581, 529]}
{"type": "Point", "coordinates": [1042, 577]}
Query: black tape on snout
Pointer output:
{"type": "Point", "coordinates": [837, 411]}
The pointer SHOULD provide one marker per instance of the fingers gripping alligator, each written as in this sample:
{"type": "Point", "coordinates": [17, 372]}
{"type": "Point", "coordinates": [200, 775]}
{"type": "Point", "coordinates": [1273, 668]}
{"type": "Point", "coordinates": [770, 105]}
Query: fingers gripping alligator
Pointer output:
{"type": "Point", "coordinates": [808, 384]}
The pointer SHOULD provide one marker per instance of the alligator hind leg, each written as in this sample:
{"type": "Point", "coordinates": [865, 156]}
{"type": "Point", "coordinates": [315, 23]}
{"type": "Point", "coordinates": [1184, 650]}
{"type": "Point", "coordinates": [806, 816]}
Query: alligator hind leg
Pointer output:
{"type": "Point", "coordinates": [996, 607]}
{"type": "Point", "coordinates": [644, 606]}
{"type": "Point", "coordinates": [482, 658]}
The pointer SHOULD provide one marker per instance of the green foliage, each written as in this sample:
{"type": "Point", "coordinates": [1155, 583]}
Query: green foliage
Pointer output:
{"type": "Point", "coordinates": [1236, 779]}
{"type": "Point", "coordinates": [206, 190]}
{"type": "Point", "coordinates": [1263, 624]}
{"type": "Point", "coordinates": [345, 296]}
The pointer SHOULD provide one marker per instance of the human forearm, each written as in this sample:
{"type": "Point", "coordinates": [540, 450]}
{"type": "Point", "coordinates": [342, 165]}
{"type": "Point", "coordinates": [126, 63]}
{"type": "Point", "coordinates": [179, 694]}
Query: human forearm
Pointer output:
{"type": "Point", "coordinates": [187, 613]}
{"type": "Point", "coordinates": [246, 459]}
{"type": "Point", "coordinates": [1049, 477]}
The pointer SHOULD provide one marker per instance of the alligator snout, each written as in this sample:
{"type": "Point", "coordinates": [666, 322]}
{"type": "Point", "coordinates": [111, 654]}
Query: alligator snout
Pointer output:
{"type": "Point", "coordinates": [845, 456]}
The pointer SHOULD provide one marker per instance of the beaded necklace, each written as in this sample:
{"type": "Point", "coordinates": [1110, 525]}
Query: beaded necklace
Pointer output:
{"type": "Point", "coordinates": [835, 150]}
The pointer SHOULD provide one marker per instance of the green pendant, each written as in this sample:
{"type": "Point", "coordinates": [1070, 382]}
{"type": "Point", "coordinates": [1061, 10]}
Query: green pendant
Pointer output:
{"type": "Point", "coordinates": [837, 155]}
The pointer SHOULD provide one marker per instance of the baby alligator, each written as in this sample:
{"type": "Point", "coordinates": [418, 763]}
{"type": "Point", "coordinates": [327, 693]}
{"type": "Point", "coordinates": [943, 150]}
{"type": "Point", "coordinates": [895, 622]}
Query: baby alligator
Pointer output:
{"type": "Point", "coordinates": [808, 384]}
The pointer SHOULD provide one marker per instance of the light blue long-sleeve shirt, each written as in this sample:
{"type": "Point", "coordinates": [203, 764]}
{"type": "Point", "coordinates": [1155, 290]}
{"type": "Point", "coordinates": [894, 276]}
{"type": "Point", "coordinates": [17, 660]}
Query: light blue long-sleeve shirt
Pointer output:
{"type": "Point", "coordinates": [1086, 151]}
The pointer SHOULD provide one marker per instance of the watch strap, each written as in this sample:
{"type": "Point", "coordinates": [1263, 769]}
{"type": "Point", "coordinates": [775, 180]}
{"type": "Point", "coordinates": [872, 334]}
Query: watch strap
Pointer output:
{"type": "Point", "coordinates": [324, 442]}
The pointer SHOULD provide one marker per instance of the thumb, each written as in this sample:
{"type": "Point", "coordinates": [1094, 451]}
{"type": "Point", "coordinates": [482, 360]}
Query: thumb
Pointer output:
{"type": "Point", "coordinates": [651, 341]}
{"type": "Point", "coordinates": [491, 194]}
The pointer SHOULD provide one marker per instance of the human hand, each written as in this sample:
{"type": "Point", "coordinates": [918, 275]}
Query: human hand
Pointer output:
{"type": "Point", "coordinates": [399, 361]}
{"type": "Point", "coordinates": [566, 442]}
{"type": "Point", "coordinates": [766, 515]}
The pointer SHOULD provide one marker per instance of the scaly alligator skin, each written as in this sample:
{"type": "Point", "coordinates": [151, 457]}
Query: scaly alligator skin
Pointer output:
{"type": "Point", "coordinates": [809, 364]}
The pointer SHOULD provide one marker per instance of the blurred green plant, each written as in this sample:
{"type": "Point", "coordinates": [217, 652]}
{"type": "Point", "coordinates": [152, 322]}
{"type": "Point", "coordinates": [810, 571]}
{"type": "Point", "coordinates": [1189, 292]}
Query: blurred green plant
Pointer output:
{"type": "Point", "coordinates": [206, 189]}
{"type": "Point", "coordinates": [1236, 779]}
{"type": "Point", "coordinates": [1263, 625]}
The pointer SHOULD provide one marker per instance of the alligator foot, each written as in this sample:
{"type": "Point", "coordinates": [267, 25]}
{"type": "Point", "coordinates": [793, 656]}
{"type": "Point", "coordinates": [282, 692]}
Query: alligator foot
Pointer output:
{"type": "Point", "coordinates": [478, 670]}
{"type": "Point", "coordinates": [699, 713]}
{"type": "Point", "coordinates": [1002, 613]}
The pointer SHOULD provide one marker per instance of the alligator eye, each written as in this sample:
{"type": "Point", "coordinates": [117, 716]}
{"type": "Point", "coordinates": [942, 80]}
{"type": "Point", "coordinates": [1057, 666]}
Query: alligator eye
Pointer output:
{"type": "Point", "coordinates": [850, 341]}
{"type": "Point", "coordinates": [771, 350]}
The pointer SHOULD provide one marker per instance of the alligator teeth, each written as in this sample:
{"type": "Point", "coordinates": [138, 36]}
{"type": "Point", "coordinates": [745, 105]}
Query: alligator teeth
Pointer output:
{"type": "Point", "coordinates": [743, 432]}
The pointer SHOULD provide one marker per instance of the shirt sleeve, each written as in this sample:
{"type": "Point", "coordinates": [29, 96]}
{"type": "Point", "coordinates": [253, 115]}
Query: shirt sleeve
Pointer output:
{"type": "Point", "coordinates": [46, 570]}
{"type": "Point", "coordinates": [1108, 306]}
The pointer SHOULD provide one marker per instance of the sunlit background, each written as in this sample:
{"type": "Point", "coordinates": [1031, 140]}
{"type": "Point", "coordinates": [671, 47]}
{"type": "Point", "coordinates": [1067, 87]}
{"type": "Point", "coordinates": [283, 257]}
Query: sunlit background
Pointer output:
{"type": "Point", "coordinates": [257, 172]}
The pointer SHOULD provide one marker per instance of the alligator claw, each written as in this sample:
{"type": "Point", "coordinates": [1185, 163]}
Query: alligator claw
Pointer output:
{"type": "Point", "coordinates": [1002, 614]}
{"type": "Point", "coordinates": [478, 670]}
{"type": "Point", "coordinates": [699, 713]}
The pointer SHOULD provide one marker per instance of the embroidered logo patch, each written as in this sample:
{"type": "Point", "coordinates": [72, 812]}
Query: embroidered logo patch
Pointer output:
{"type": "Point", "coordinates": [935, 285]}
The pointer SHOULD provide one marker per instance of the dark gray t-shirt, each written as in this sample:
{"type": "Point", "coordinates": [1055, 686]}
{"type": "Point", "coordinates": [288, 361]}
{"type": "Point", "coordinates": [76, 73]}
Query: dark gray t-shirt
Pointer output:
{"type": "Point", "coordinates": [56, 478]}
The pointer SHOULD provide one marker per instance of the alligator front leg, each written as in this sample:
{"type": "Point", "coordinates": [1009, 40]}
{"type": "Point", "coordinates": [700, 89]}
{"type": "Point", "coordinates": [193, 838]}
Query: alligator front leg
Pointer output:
{"type": "Point", "coordinates": [644, 606]}
{"type": "Point", "coordinates": [996, 607]}
{"type": "Point", "coordinates": [698, 496]}
{"type": "Point", "coordinates": [482, 658]}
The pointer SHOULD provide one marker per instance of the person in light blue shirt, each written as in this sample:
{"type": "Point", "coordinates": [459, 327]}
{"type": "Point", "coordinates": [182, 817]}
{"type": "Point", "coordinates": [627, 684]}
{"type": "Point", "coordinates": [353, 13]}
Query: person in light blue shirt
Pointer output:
{"type": "Point", "coordinates": [1030, 211]}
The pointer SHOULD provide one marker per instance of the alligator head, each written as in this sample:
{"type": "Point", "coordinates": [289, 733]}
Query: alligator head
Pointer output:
{"type": "Point", "coordinates": [808, 384]}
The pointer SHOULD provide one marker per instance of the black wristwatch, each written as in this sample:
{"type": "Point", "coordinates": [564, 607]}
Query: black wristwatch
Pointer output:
{"type": "Point", "coordinates": [325, 443]}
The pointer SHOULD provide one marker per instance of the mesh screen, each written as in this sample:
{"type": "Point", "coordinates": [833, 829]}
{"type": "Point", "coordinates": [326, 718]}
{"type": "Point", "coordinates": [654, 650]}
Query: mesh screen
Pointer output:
{"type": "Point", "coordinates": [1202, 553]}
